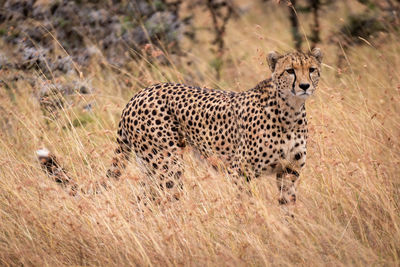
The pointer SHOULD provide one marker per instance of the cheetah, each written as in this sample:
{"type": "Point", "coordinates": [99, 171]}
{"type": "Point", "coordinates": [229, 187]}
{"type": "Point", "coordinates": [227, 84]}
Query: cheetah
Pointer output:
{"type": "Point", "coordinates": [258, 132]}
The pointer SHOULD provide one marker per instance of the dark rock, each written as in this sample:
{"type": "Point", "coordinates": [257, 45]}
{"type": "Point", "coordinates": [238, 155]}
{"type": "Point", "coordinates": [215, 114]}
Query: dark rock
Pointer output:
{"type": "Point", "coordinates": [37, 29]}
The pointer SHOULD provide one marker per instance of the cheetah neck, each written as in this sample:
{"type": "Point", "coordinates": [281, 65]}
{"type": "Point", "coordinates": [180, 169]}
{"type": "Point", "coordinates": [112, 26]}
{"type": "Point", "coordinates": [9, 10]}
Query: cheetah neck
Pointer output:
{"type": "Point", "coordinates": [291, 114]}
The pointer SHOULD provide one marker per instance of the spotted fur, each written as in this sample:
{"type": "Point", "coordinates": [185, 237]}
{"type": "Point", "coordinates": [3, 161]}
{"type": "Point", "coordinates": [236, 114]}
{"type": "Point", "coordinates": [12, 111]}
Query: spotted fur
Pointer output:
{"type": "Point", "coordinates": [257, 132]}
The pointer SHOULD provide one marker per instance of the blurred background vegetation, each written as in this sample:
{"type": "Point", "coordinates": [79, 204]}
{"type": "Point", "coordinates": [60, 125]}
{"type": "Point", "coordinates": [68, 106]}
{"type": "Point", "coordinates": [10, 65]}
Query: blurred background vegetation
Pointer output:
{"type": "Point", "coordinates": [52, 38]}
{"type": "Point", "coordinates": [57, 37]}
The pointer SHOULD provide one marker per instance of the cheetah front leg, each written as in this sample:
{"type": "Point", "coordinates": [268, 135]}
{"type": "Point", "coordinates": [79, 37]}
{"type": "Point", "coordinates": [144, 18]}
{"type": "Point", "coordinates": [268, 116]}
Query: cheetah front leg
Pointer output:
{"type": "Point", "coordinates": [287, 181]}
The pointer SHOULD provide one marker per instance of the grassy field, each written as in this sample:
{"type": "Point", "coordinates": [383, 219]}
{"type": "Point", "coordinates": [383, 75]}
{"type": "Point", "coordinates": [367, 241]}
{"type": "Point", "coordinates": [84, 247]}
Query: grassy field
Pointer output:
{"type": "Point", "coordinates": [349, 194]}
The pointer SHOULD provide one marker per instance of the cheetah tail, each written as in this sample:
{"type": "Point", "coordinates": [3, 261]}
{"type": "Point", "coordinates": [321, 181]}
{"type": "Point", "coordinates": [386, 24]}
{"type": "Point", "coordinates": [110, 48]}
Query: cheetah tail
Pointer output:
{"type": "Point", "coordinates": [50, 165]}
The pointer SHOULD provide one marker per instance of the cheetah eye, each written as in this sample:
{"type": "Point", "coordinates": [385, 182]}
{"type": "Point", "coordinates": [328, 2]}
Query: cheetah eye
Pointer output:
{"type": "Point", "coordinates": [312, 70]}
{"type": "Point", "coordinates": [290, 71]}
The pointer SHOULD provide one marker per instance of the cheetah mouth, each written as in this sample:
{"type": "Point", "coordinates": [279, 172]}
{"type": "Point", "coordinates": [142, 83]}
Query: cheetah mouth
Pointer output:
{"type": "Point", "coordinates": [304, 95]}
{"type": "Point", "coordinates": [301, 94]}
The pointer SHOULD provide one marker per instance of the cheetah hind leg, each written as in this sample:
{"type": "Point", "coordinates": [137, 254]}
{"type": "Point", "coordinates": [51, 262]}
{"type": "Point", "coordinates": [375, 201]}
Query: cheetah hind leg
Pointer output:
{"type": "Point", "coordinates": [161, 164]}
{"type": "Point", "coordinates": [122, 154]}
{"type": "Point", "coordinates": [170, 176]}
{"type": "Point", "coordinates": [163, 184]}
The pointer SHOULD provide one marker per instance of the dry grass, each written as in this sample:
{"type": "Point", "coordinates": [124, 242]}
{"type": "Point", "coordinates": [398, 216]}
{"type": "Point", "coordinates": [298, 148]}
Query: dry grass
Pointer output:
{"type": "Point", "coordinates": [348, 203]}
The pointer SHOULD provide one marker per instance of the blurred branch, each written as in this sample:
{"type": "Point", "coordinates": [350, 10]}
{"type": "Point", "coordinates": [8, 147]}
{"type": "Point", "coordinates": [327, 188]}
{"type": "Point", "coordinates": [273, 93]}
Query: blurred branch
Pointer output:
{"type": "Point", "coordinates": [172, 6]}
{"type": "Point", "coordinates": [221, 12]}
{"type": "Point", "coordinates": [294, 22]}
{"type": "Point", "coordinates": [315, 30]}
{"type": "Point", "coordinates": [219, 20]}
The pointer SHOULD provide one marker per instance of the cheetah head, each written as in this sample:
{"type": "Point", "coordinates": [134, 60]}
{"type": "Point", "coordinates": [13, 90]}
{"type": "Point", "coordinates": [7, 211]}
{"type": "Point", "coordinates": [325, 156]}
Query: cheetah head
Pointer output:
{"type": "Point", "coordinates": [296, 74]}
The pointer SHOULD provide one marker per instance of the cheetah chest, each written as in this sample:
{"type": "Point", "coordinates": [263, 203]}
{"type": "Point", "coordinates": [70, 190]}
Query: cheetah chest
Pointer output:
{"type": "Point", "coordinates": [294, 148]}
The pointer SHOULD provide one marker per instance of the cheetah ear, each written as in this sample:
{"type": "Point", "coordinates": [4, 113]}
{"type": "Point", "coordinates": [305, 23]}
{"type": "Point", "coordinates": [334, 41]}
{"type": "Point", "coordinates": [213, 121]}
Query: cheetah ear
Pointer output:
{"type": "Point", "coordinates": [316, 52]}
{"type": "Point", "coordinates": [272, 58]}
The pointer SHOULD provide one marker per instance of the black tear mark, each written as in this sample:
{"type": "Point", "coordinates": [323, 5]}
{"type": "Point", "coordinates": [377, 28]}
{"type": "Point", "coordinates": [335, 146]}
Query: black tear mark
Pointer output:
{"type": "Point", "coordinates": [294, 84]}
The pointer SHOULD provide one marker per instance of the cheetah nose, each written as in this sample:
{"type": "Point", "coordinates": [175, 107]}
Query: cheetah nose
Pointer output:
{"type": "Point", "coordinates": [304, 86]}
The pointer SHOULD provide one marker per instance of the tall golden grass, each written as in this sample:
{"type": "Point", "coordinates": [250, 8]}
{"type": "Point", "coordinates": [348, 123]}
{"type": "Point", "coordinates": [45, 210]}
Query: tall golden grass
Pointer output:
{"type": "Point", "coordinates": [348, 203]}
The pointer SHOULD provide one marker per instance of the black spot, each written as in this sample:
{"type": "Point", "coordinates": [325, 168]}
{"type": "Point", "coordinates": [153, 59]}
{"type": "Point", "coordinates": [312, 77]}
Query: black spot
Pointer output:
{"type": "Point", "coordinates": [169, 184]}
{"type": "Point", "coordinates": [291, 171]}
